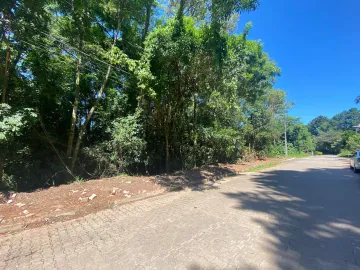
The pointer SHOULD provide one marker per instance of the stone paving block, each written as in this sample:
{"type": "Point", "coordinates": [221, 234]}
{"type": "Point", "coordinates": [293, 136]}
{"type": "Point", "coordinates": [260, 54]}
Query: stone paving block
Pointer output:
{"type": "Point", "coordinates": [258, 221]}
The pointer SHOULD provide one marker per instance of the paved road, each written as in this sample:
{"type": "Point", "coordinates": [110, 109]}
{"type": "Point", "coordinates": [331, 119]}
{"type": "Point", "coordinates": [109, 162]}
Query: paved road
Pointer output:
{"type": "Point", "coordinates": [303, 214]}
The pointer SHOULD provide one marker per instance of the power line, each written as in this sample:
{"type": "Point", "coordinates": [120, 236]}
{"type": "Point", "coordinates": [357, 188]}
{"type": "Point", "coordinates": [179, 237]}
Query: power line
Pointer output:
{"type": "Point", "coordinates": [104, 28]}
{"type": "Point", "coordinates": [79, 51]}
{"type": "Point", "coordinates": [135, 46]}
{"type": "Point", "coordinates": [42, 48]}
{"type": "Point", "coordinates": [86, 54]}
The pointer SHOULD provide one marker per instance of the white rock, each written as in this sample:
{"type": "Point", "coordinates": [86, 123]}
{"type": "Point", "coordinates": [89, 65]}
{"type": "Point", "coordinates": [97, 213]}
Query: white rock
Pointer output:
{"type": "Point", "coordinates": [9, 201]}
{"type": "Point", "coordinates": [127, 195]}
{"type": "Point", "coordinates": [26, 212]}
{"type": "Point", "coordinates": [93, 196]}
{"type": "Point", "coordinates": [83, 199]}
{"type": "Point", "coordinates": [13, 196]}
{"type": "Point", "coordinates": [20, 204]}
{"type": "Point", "coordinates": [84, 192]}
{"type": "Point", "coordinates": [126, 192]}
{"type": "Point", "coordinates": [144, 191]}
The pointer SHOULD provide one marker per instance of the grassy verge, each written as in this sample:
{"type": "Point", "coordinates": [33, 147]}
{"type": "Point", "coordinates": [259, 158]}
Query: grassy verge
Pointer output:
{"type": "Point", "coordinates": [275, 163]}
{"type": "Point", "coordinates": [299, 155]}
{"type": "Point", "coordinates": [264, 166]}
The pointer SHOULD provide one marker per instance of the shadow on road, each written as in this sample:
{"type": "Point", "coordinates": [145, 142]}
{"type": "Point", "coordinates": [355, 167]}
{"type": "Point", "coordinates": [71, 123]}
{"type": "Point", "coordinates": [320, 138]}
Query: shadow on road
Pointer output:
{"type": "Point", "coordinates": [197, 179]}
{"type": "Point", "coordinates": [314, 217]}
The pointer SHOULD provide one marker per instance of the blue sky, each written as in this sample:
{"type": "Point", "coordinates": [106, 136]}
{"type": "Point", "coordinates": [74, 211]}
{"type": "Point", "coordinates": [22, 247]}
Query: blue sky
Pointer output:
{"type": "Point", "coordinates": [316, 43]}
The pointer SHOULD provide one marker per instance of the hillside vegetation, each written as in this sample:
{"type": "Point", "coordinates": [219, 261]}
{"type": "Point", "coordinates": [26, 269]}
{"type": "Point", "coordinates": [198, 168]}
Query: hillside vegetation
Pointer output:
{"type": "Point", "coordinates": [336, 135]}
{"type": "Point", "coordinates": [98, 88]}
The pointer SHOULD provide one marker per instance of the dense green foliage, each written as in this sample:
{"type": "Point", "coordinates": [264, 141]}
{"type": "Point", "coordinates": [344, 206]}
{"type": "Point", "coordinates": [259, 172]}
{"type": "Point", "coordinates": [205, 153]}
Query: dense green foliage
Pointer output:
{"type": "Point", "coordinates": [336, 135]}
{"type": "Point", "coordinates": [96, 88]}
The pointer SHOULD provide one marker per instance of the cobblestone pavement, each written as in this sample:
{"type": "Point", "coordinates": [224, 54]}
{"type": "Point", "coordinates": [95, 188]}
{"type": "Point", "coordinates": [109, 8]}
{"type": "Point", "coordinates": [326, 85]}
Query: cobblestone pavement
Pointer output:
{"type": "Point", "coordinates": [303, 214]}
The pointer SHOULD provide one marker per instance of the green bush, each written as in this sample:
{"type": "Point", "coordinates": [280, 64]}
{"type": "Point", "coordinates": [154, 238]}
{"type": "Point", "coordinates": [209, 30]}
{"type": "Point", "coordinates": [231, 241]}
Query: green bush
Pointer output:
{"type": "Point", "coordinates": [353, 143]}
{"type": "Point", "coordinates": [318, 153]}
{"type": "Point", "coordinates": [277, 150]}
{"type": "Point", "coordinates": [345, 153]}
{"type": "Point", "coordinates": [124, 152]}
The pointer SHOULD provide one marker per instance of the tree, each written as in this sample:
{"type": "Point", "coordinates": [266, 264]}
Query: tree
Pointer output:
{"type": "Point", "coordinates": [120, 86]}
{"type": "Point", "coordinates": [319, 124]}
{"type": "Point", "coordinates": [353, 143]}
{"type": "Point", "coordinates": [12, 125]}
{"type": "Point", "coordinates": [346, 119]}
{"type": "Point", "coordinates": [329, 142]}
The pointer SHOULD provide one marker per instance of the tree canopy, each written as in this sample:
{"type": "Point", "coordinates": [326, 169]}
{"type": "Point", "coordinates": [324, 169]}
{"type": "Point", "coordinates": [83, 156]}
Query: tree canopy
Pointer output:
{"type": "Point", "coordinates": [333, 135]}
{"type": "Point", "coordinates": [97, 88]}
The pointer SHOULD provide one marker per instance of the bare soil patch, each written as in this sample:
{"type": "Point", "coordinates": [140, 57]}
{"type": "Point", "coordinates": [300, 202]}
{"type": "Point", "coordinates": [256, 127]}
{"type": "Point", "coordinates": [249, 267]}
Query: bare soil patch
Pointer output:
{"type": "Point", "coordinates": [65, 202]}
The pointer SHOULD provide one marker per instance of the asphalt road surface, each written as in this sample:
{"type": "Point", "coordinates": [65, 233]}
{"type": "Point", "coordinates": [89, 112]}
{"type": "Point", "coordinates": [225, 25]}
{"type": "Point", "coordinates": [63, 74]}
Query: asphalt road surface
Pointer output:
{"type": "Point", "coordinates": [303, 214]}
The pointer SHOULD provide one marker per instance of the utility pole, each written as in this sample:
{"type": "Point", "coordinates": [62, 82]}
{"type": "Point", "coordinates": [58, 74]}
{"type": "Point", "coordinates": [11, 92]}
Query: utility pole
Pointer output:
{"type": "Point", "coordinates": [286, 148]}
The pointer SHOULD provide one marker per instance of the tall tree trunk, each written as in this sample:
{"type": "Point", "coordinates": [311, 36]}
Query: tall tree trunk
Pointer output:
{"type": "Point", "coordinates": [195, 131]}
{"type": "Point", "coordinates": [167, 157]}
{"type": "Point", "coordinates": [147, 22]}
{"type": "Point", "coordinates": [180, 18]}
{"type": "Point", "coordinates": [181, 10]}
{"type": "Point", "coordinates": [79, 22]}
{"type": "Point", "coordinates": [7, 64]}
{"type": "Point", "coordinates": [1, 168]}
{"type": "Point", "coordinates": [75, 109]}
{"type": "Point", "coordinates": [5, 86]}
{"type": "Point", "coordinates": [92, 110]}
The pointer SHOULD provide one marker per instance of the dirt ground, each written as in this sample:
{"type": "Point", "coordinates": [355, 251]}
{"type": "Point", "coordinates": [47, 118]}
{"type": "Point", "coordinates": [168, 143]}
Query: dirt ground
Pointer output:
{"type": "Point", "coordinates": [65, 202]}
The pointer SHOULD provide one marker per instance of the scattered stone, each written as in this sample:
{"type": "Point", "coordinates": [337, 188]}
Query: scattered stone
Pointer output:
{"type": "Point", "coordinates": [9, 201]}
{"type": "Point", "coordinates": [57, 210]}
{"type": "Point", "coordinates": [13, 196]}
{"type": "Point", "coordinates": [127, 195]}
{"type": "Point", "coordinates": [144, 191]}
{"type": "Point", "coordinates": [1, 218]}
{"type": "Point", "coordinates": [26, 212]}
{"type": "Point", "coordinates": [72, 213]}
{"type": "Point", "coordinates": [20, 204]}
{"type": "Point", "coordinates": [86, 199]}
{"type": "Point", "coordinates": [128, 182]}
{"type": "Point", "coordinates": [30, 215]}
{"type": "Point", "coordinates": [93, 196]}
{"type": "Point", "coordinates": [113, 192]}
{"type": "Point", "coordinates": [74, 191]}
{"type": "Point", "coordinates": [84, 192]}
{"type": "Point", "coordinates": [126, 192]}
